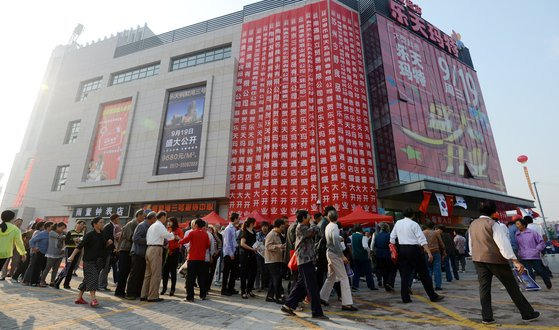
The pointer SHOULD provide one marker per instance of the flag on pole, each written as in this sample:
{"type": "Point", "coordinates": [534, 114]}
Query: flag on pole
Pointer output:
{"type": "Point", "coordinates": [459, 201]}
{"type": "Point", "coordinates": [425, 203]}
{"type": "Point", "coordinates": [524, 212]}
{"type": "Point", "coordinates": [442, 204]}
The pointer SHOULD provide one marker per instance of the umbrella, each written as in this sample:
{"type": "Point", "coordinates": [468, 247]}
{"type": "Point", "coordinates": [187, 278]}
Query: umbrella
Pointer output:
{"type": "Point", "coordinates": [214, 219]}
{"type": "Point", "coordinates": [362, 217]}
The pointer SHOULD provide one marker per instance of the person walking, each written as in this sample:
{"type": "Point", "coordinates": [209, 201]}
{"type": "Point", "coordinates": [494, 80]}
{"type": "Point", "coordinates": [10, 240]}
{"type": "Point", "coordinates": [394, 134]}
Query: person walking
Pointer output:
{"type": "Point", "coordinates": [262, 276]}
{"type": "Point", "coordinates": [73, 238]}
{"type": "Point", "coordinates": [197, 269]}
{"type": "Point", "coordinates": [381, 252]}
{"type": "Point", "coordinates": [39, 245]}
{"type": "Point", "coordinates": [460, 244]}
{"type": "Point", "coordinates": [412, 243]}
{"type": "Point", "coordinates": [336, 265]}
{"type": "Point", "coordinates": [173, 254]}
{"type": "Point", "coordinates": [436, 246]}
{"type": "Point", "coordinates": [361, 261]}
{"type": "Point", "coordinates": [12, 263]}
{"type": "Point", "coordinates": [123, 251]}
{"type": "Point", "coordinates": [55, 253]}
{"type": "Point", "coordinates": [530, 245]}
{"type": "Point", "coordinates": [273, 256]}
{"type": "Point", "coordinates": [306, 280]}
{"type": "Point", "coordinates": [138, 257]}
{"type": "Point", "coordinates": [491, 252]}
{"type": "Point", "coordinates": [229, 262]}
{"type": "Point", "coordinates": [248, 258]}
{"type": "Point", "coordinates": [93, 245]}
{"type": "Point", "coordinates": [24, 264]}
{"type": "Point", "coordinates": [155, 237]}
{"type": "Point", "coordinates": [10, 237]}
{"type": "Point", "coordinates": [450, 262]}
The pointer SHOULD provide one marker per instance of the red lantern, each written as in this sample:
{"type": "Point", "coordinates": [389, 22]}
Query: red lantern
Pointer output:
{"type": "Point", "coordinates": [522, 159]}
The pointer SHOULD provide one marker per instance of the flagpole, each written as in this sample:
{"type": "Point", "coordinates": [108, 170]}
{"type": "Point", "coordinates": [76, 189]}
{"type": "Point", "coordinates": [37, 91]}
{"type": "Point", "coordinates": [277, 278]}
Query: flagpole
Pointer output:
{"type": "Point", "coordinates": [541, 209]}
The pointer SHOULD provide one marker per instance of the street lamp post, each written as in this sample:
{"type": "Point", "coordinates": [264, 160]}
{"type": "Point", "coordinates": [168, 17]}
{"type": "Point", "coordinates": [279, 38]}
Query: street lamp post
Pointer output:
{"type": "Point", "coordinates": [541, 209]}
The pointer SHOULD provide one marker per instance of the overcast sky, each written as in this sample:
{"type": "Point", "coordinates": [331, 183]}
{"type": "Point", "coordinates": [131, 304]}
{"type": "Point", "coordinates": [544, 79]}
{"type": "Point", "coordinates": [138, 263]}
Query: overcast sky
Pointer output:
{"type": "Point", "coordinates": [515, 49]}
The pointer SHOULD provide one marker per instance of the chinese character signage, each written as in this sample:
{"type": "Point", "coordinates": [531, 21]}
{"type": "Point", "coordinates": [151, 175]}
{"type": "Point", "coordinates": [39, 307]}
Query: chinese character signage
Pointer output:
{"type": "Point", "coordinates": [301, 128]}
{"type": "Point", "coordinates": [105, 211]}
{"type": "Point", "coordinates": [107, 150]}
{"type": "Point", "coordinates": [439, 125]}
{"type": "Point", "coordinates": [409, 15]}
{"type": "Point", "coordinates": [182, 132]}
{"type": "Point", "coordinates": [202, 207]}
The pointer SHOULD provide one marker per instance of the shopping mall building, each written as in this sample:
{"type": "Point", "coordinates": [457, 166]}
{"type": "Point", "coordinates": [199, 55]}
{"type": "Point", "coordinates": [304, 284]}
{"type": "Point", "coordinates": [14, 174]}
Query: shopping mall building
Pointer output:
{"type": "Point", "coordinates": [283, 105]}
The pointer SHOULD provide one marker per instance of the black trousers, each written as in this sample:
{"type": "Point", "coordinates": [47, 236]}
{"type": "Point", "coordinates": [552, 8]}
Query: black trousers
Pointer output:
{"type": "Point", "coordinates": [2, 262]}
{"type": "Point", "coordinates": [196, 271]}
{"type": "Point", "coordinates": [275, 289]}
{"type": "Point", "coordinates": [33, 273]}
{"type": "Point", "coordinates": [532, 265]}
{"type": "Point", "coordinates": [124, 265]}
{"type": "Point", "coordinates": [229, 274]}
{"type": "Point", "coordinates": [262, 273]}
{"type": "Point", "coordinates": [503, 272]}
{"type": "Point", "coordinates": [411, 257]}
{"type": "Point", "coordinates": [136, 277]}
{"type": "Point", "coordinates": [387, 270]}
{"type": "Point", "coordinates": [170, 268]}
{"type": "Point", "coordinates": [211, 273]}
{"type": "Point", "coordinates": [248, 271]}
{"type": "Point", "coordinates": [321, 268]}
{"type": "Point", "coordinates": [22, 267]}
{"type": "Point", "coordinates": [306, 283]}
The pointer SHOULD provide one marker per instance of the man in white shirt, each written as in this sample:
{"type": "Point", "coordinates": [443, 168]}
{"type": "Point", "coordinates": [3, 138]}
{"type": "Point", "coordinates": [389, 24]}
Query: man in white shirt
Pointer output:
{"type": "Point", "coordinates": [491, 252]}
{"type": "Point", "coordinates": [156, 236]}
{"type": "Point", "coordinates": [412, 243]}
{"type": "Point", "coordinates": [336, 267]}
{"type": "Point", "coordinates": [535, 227]}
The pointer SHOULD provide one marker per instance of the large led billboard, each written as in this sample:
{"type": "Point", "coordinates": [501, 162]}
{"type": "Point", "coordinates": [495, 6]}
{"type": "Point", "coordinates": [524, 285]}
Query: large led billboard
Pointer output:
{"type": "Point", "coordinates": [301, 130]}
{"type": "Point", "coordinates": [433, 112]}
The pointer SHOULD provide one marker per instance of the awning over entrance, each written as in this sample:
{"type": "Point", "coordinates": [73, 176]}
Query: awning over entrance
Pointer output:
{"type": "Point", "coordinates": [413, 192]}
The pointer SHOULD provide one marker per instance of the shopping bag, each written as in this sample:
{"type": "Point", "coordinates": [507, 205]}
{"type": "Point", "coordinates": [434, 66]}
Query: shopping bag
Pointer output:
{"type": "Point", "coordinates": [292, 261]}
{"type": "Point", "coordinates": [393, 253]}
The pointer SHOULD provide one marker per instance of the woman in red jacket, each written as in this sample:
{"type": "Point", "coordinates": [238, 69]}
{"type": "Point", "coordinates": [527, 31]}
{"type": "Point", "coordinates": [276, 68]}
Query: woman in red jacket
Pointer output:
{"type": "Point", "coordinates": [173, 253]}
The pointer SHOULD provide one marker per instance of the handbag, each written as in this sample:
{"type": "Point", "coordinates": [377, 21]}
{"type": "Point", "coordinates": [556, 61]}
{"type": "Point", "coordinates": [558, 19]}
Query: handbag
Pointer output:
{"type": "Point", "coordinates": [393, 253]}
{"type": "Point", "coordinates": [292, 264]}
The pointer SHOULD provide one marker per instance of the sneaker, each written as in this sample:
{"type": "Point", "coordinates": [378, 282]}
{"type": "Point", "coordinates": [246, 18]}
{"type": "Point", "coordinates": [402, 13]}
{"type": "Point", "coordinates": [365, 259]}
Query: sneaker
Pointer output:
{"type": "Point", "coordinates": [226, 293]}
{"type": "Point", "coordinates": [350, 308]}
{"type": "Point", "coordinates": [67, 287]}
{"type": "Point", "coordinates": [324, 302]}
{"type": "Point", "coordinates": [81, 301]}
{"type": "Point", "coordinates": [189, 300]}
{"type": "Point", "coordinates": [548, 286]}
{"type": "Point", "coordinates": [156, 300]}
{"type": "Point", "coordinates": [437, 298]}
{"type": "Point", "coordinates": [268, 299]}
{"type": "Point", "coordinates": [438, 289]}
{"type": "Point", "coordinates": [288, 310]}
{"type": "Point", "coordinates": [388, 287]}
{"type": "Point", "coordinates": [15, 280]}
{"type": "Point", "coordinates": [492, 321]}
{"type": "Point", "coordinates": [532, 317]}
{"type": "Point", "coordinates": [94, 303]}
{"type": "Point", "coordinates": [354, 289]}
{"type": "Point", "coordinates": [130, 298]}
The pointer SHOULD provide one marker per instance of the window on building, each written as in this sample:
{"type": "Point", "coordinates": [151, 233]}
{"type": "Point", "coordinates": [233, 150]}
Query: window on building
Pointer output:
{"type": "Point", "coordinates": [72, 132]}
{"type": "Point", "coordinates": [201, 57]}
{"type": "Point", "coordinates": [87, 87]}
{"type": "Point", "coordinates": [135, 74]}
{"type": "Point", "coordinates": [60, 177]}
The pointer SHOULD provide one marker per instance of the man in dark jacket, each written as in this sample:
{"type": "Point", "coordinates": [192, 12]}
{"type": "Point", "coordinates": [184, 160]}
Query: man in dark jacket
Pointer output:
{"type": "Point", "coordinates": [451, 254]}
{"type": "Point", "coordinates": [109, 236]}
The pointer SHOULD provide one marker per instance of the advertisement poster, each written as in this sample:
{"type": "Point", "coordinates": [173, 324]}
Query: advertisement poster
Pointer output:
{"type": "Point", "coordinates": [182, 132]}
{"type": "Point", "coordinates": [107, 150]}
{"type": "Point", "coordinates": [439, 124]}
{"type": "Point", "coordinates": [301, 130]}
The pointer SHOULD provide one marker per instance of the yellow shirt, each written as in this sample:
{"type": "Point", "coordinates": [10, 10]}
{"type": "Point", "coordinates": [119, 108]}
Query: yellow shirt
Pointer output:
{"type": "Point", "coordinates": [8, 238]}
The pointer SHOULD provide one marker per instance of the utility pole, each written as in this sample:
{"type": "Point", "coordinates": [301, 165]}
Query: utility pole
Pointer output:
{"type": "Point", "coordinates": [541, 209]}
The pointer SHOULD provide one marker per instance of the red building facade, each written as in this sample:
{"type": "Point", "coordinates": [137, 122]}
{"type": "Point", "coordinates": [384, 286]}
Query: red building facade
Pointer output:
{"type": "Point", "coordinates": [301, 130]}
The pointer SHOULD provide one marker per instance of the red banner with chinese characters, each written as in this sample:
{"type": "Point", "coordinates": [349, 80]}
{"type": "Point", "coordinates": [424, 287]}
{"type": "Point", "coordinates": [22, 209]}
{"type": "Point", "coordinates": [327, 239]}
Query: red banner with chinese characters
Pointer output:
{"type": "Point", "coordinates": [107, 150]}
{"type": "Point", "coordinates": [301, 128]}
{"type": "Point", "coordinates": [439, 123]}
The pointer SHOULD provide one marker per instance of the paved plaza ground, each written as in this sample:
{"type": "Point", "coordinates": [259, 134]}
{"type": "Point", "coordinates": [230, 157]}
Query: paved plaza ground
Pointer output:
{"type": "Point", "coordinates": [46, 308]}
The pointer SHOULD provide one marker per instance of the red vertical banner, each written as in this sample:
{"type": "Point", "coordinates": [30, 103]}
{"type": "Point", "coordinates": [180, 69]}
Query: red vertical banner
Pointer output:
{"type": "Point", "coordinates": [292, 125]}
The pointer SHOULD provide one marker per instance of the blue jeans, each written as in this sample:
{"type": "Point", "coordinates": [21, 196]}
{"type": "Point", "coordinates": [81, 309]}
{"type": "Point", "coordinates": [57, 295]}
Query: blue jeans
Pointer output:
{"type": "Point", "coordinates": [435, 267]}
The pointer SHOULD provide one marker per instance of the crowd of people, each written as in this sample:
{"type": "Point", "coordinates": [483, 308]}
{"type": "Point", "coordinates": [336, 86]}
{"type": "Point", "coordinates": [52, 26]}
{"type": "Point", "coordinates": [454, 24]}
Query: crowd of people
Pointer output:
{"type": "Point", "coordinates": [315, 256]}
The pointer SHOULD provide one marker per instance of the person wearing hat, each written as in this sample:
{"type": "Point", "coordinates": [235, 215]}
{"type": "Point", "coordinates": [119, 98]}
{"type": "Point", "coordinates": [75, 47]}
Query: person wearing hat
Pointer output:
{"type": "Point", "coordinates": [10, 235]}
